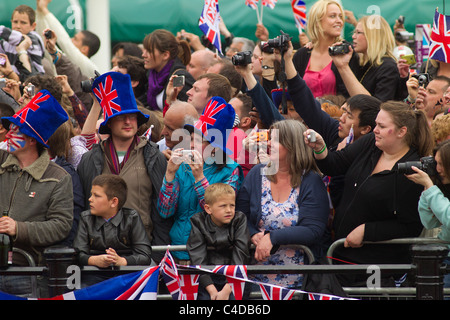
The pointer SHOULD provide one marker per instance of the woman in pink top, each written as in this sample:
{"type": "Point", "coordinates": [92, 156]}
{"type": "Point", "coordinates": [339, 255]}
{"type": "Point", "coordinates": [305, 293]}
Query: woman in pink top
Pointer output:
{"type": "Point", "coordinates": [325, 23]}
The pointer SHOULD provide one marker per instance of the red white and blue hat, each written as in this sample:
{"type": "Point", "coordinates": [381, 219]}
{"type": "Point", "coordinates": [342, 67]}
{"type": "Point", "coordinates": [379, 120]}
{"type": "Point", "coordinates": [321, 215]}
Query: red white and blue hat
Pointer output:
{"type": "Point", "coordinates": [277, 95]}
{"type": "Point", "coordinates": [217, 119]}
{"type": "Point", "coordinates": [40, 118]}
{"type": "Point", "coordinates": [115, 95]}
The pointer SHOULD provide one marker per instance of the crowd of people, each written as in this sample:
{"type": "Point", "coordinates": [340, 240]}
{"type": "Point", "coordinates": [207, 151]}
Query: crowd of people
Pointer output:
{"type": "Point", "coordinates": [253, 156]}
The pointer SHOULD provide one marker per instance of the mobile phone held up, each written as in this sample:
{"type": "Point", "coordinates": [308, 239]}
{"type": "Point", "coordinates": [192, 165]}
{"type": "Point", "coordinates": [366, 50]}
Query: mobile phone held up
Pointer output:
{"type": "Point", "coordinates": [178, 81]}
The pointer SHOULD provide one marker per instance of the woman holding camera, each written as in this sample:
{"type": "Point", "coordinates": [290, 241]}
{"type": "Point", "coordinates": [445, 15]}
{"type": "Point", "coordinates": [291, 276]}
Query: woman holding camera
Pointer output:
{"type": "Point", "coordinates": [434, 203]}
{"type": "Point", "coordinates": [164, 56]}
{"type": "Point", "coordinates": [314, 65]}
{"type": "Point", "coordinates": [286, 203]}
{"type": "Point", "coordinates": [378, 73]}
{"type": "Point", "coordinates": [378, 203]}
{"type": "Point", "coordinates": [190, 171]}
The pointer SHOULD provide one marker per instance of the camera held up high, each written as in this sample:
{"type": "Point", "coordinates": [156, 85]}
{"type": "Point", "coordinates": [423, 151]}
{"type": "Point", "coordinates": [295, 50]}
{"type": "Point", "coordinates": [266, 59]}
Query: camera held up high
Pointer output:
{"type": "Point", "coordinates": [242, 58]}
{"type": "Point", "coordinates": [280, 42]}
{"type": "Point", "coordinates": [86, 85]}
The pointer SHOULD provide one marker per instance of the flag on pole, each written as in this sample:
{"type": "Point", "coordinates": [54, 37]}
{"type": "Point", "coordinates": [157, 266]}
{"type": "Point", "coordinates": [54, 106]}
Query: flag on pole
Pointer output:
{"type": "Point", "coordinates": [269, 3]}
{"type": "Point", "coordinates": [299, 10]}
{"type": "Point", "coordinates": [440, 38]}
{"type": "Point", "coordinates": [252, 4]}
{"type": "Point", "coordinates": [209, 23]}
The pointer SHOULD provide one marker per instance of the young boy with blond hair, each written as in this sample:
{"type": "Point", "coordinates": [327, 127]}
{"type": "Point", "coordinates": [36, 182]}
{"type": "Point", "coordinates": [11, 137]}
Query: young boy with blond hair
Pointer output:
{"type": "Point", "coordinates": [222, 229]}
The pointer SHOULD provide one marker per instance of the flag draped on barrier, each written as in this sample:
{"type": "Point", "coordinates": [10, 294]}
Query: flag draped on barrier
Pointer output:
{"type": "Point", "coordinates": [143, 285]}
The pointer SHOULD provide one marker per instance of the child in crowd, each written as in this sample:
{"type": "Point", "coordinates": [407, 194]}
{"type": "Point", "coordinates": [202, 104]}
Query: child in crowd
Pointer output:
{"type": "Point", "coordinates": [108, 234]}
{"type": "Point", "coordinates": [22, 44]}
{"type": "Point", "coordinates": [225, 231]}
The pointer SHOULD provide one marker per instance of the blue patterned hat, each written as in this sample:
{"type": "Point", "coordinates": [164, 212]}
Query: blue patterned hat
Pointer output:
{"type": "Point", "coordinates": [115, 95]}
{"type": "Point", "coordinates": [215, 123]}
{"type": "Point", "coordinates": [40, 118]}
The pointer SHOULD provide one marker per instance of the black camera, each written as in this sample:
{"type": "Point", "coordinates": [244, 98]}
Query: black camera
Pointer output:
{"type": "Point", "coordinates": [280, 42]}
{"type": "Point", "coordinates": [242, 58]}
{"type": "Point", "coordinates": [423, 78]}
{"type": "Point", "coordinates": [426, 164]}
{"type": "Point", "coordinates": [48, 34]}
{"type": "Point", "coordinates": [86, 85]}
{"type": "Point", "coordinates": [339, 49]}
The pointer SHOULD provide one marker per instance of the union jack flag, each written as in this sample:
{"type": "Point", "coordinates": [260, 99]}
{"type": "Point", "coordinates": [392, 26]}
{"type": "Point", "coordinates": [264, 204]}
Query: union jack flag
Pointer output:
{"type": "Point", "coordinates": [440, 38]}
{"type": "Point", "coordinates": [299, 10]}
{"type": "Point", "coordinates": [15, 139]}
{"type": "Point", "coordinates": [189, 286]}
{"type": "Point", "coordinates": [170, 276]}
{"type": "Point", "coordinates": [316, 296]}
{"type": "Point", "coordinates": [33, 105]}
{"type": "Point", "coordinates": [106, 95]}
{"type": "Point", "coordinates": [269, 3]}
{"type": "Point", "coordinates": [209, 22]}
{"type": "Point", "coordinates": [236, 277]}
{"type": "Point", "coordinates": [141, 285]}
{"type": "Point", "coordinates": [270, 292]}
{"type": "Point", "coordinates": [208, 117]}
{"type": "Point", "coordinates": [252, 4]}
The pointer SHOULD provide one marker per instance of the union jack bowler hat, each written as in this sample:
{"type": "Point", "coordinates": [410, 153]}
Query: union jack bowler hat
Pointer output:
{"type": "Point", "coordinates": [215, 123]}
{"type": "Point", "coordinates": [115, 95]}
{"type": "Point", "coordinates": [40, 118]}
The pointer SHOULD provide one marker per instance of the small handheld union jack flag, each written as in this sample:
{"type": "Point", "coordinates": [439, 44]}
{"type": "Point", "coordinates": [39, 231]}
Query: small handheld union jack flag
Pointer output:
{"type": "Point", "coordinates": [269, 3]}
{"type": "Point", "coordinates": [299, 10]}
{"type": "Point", "coordinates": [440, 38]}
{"type": "Point", "coordinates": [209, 23]}
{"type": "Point", "coordinates": [252, 4]}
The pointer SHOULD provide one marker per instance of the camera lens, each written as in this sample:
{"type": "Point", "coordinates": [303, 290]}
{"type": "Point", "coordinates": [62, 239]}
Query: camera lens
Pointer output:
{"type": "Point", "coordinates": [405, 168]}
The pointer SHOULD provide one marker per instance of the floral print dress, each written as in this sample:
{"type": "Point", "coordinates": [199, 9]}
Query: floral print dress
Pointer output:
{"type": "Point", "coordinates": [278, 216]}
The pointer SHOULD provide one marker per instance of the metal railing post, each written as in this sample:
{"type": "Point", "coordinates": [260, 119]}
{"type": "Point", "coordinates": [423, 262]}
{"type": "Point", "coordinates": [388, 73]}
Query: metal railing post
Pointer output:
{"type": "Point", "coordinates": [429, 271]}
{"type": "Point", "coordinates": [58, 260]}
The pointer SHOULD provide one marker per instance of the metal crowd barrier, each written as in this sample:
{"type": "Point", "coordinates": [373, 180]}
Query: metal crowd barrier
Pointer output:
{"type": "Point", "coordinates": [398, 292]}
{"type": "Point", "coordinates": [427, 269]}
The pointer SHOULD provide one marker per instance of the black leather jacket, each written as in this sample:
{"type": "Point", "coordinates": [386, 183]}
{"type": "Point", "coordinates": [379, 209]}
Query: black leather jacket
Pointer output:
{"type": "Point", "coordinates": [231, 243]}
{"type": "Point", "coordinates": [124, 233]}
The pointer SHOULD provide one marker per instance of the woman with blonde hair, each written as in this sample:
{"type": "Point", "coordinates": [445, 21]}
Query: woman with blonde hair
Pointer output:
{"type": "Point", "coordinates": [286, 203]}
{"type": "Point", "coordinates": [378, 74]}
{"type": "Point", "coordinates": [313, 63]}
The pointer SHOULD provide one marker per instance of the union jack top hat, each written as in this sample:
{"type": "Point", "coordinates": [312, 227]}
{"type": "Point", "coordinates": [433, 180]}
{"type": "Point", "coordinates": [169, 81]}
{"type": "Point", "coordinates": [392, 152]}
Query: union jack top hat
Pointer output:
{"type": "Point", "coordinates": [40, 118]}
{"type": "Point", "coordinates": [215, 123]}
{"type": "Point", "coordinates": [115, 95]}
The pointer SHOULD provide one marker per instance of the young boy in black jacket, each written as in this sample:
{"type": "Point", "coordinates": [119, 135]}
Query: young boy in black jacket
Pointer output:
{"type": "Point", "coordinates": [108, 234]}
{"type": "Point", "coordinates": [224, 232]}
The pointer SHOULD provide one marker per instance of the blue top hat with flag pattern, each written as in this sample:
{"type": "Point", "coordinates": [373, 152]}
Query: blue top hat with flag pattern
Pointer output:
{"type": "Point", "coordinates": [115, 95]}
{"type": "Point", "coordinates": [40, 118]}
{"type": "Point", "coordinates": [215, 123]}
